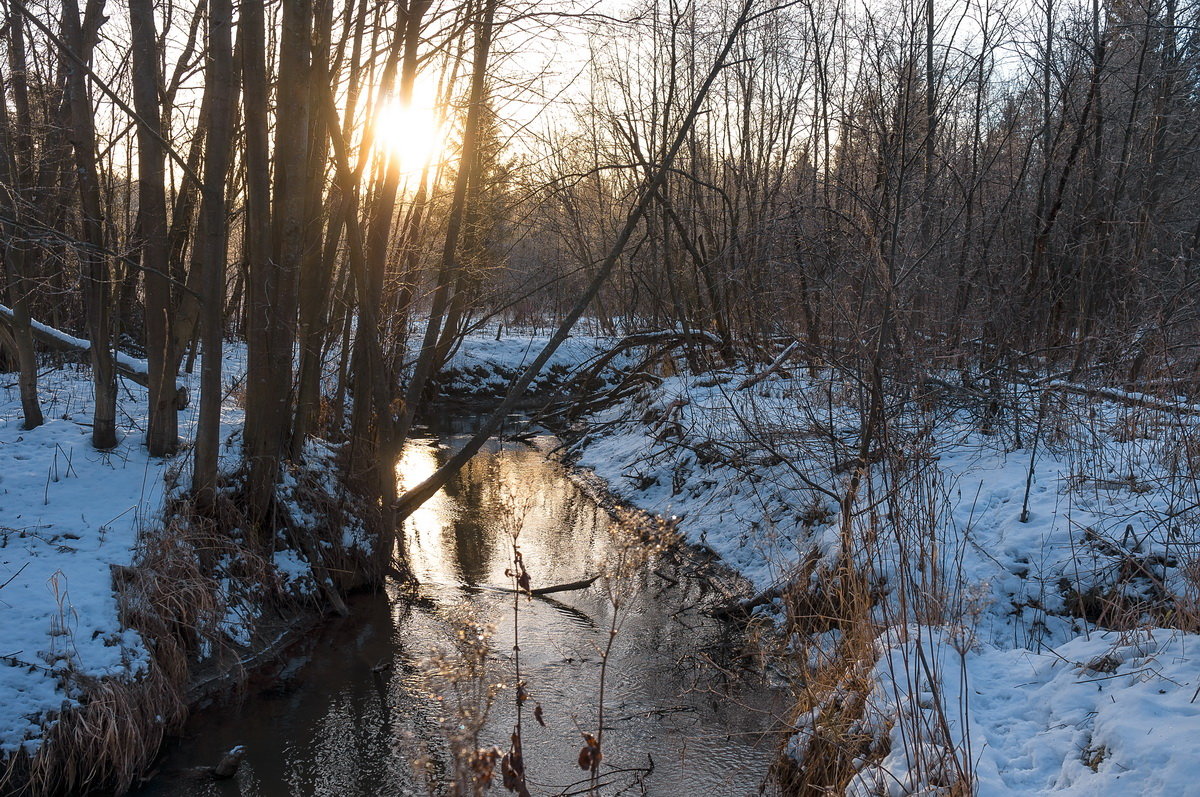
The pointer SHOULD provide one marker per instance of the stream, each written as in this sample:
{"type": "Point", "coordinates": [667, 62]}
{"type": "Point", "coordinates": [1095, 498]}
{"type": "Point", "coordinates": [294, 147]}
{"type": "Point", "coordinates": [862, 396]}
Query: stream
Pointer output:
{"type": "Point", "coordinates": [358, 709]}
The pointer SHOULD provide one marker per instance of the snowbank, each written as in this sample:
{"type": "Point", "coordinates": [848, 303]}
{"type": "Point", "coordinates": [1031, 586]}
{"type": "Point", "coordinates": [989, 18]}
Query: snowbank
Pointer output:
{"type": "Point", "coordinates": [69, 515]}
{"type": "Point", "coordinates": [1076, 514]}
{"type": "Point", "coordinates": [483, 367]}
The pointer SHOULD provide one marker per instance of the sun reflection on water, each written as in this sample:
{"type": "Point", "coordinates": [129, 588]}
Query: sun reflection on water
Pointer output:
{"type": "Point", "coordinates": [425, 529]}
{"type": "Point", "coordinates": [449, 546]}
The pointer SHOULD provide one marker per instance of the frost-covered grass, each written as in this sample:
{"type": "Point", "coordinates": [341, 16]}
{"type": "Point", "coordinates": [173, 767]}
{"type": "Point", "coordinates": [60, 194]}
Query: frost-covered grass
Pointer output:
{"type": "Point", "coordinates": [1036, 645]}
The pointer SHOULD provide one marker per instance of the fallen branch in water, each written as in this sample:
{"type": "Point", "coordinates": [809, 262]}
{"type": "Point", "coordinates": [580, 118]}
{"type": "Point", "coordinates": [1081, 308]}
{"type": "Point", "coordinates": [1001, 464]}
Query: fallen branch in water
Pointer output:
{"type": "Point", "coordinates": [225, 769]}
{"type": "Point", "coordinates": [568, 587]}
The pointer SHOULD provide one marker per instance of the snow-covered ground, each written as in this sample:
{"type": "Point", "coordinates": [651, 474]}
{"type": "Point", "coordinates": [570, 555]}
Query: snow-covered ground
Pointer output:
{"type": "Point", "coordinates": [484, 365]}
{"type": "Point", "coordinates": [1102, 713]}
{"type": "Point", "coordinates": [996, 662]}
{"type": "Point", "coordinates": [993, 633]}
{"type": "Point", "coordinates": [68, 515]}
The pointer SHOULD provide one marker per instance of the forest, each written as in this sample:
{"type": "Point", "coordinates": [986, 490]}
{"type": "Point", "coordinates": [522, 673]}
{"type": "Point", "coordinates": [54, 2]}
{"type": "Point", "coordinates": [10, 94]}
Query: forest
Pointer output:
{"type": "Point", "coordinates": [836, 359]}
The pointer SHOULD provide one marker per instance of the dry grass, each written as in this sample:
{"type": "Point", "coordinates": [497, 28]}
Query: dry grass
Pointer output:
{"type": "Point", "coordinates": [171, 601]}
{"type": "Point", "coordinates": [173, 596]}
{"type": "Point", "coordinates": [896, 572]}
{"type": "Point", "coordinates": [832, 741]}
{"type": "Point", "coordinates": [465, 687]}
{"type": "Point", "coordinates": [842, 723]}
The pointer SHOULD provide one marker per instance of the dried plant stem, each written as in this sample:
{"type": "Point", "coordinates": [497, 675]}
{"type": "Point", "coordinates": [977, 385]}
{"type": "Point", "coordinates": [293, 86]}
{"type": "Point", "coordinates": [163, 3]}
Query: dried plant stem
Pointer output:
{"type": "Point", "coordinates": [612, 635]}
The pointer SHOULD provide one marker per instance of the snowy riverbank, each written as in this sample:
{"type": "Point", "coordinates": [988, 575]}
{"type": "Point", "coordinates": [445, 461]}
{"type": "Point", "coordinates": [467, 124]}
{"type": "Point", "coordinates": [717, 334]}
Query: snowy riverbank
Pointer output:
{"type": "Point", "coordinates": [89, 554]}
{"type": "Point", "coordinates": [70, 514]}
{"type": "Point", "coordinates": [1034, 644]}
{"type": "Point", "coordinates": [1035, 587]}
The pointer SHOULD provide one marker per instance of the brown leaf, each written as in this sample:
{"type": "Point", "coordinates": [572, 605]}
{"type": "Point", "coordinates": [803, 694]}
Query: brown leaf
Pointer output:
{"type": "Point", "coordinates": [537, 715]}
{"type": "Point", "coordinates": [589, 754]}
{"type": "Point", "coordinates": [512, 766]}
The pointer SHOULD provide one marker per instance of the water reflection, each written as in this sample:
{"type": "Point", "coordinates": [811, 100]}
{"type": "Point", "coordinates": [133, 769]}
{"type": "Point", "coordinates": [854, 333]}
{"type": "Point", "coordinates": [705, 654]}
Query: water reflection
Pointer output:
{"type": "Point", "coordinates": [424, 528]}
{"type": "Point", "coordinates": [354, 718]}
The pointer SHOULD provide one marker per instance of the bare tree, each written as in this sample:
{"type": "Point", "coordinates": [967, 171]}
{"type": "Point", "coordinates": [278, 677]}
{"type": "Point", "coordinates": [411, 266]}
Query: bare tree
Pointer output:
{"type": "Point", "coordinates": [162, 432]}
{"type": "Point", "coordinates": [96, 276]}
{"type": "Point", "coordinates": [213, 243]}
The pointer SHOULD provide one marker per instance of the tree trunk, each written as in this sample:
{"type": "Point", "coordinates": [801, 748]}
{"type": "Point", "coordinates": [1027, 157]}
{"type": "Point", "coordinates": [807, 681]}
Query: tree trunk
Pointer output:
{"type": "Point", "coordinates": [162, 432]}
{"type": "Point", "coordinates": [273, 280]}
{"type": "Point", "coordinates": [93, 258]}
{"type": "Point", "coordinates": [16, 170]}
{"type": "Point", "coordinates": [374, 434]}
{"type": "Point", "coordinates": [213, 243]}
{"type": "Point", "coordinates": [317, 266]}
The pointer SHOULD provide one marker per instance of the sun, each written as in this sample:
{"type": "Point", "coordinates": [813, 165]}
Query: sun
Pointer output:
{"type": "Point", "coordinates": [412, 133]}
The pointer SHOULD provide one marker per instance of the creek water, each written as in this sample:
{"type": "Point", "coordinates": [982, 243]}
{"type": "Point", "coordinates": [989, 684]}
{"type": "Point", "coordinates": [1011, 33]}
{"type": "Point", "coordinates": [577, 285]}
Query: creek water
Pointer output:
{"type": "Point", "coordinates": [362, 707]}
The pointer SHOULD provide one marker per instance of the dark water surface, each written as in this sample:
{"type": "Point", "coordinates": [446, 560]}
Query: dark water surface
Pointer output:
{"type": "Point", "coordinates": [359, 704]}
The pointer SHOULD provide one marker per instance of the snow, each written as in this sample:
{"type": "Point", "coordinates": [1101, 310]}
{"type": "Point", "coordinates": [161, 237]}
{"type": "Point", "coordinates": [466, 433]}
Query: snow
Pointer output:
{"type": "Point", "coordinates": [993, 672]}
{"type": "Point", "coordinates": [517, 348]}
{"type": "Point", "coordinates": [68, 515]}
{"type": "Point", "coordinates": [291, 566]}
{"type": "Point", "coordinates": [1009, 683]}
{"type": "Point", "coordinates": [1109, 714]}
{"type": "Point", "coordinates": [740, 509]}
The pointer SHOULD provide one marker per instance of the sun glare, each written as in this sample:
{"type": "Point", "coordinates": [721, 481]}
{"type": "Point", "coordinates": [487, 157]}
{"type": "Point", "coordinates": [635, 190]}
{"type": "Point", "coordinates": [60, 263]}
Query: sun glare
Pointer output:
{"type": "Point", "coordinates": [427, 529]}
{"type": "Point", "coordinates": [410, 133]}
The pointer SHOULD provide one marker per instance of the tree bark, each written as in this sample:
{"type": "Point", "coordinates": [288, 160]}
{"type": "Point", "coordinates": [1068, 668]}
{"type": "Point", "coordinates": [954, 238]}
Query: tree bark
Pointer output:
{"type": "Point", "coordinates": [16, 171]}
{"type": "Point", "coordinates": [97, 290]}
{"type": "Point", "coordinates": [162, 432]}
{"type": "Point", "coordinates": [273, 280]}
{"type": "Point", "coordinates": [213, 243]}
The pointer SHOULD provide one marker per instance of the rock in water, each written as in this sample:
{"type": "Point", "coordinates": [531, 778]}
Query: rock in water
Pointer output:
{"type": "Point", "coordinates": [229, 764]}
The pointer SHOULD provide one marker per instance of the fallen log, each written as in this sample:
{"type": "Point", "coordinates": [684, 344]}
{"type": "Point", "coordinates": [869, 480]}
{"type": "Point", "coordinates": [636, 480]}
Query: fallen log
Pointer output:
{"type": "Point", "coordinates": [1125, 397]}
{"type": "Point", "coordinates": [130, 367]}
{"type": "Point", "coordinates": [775, 366]}
{"type": "Point", "coordinates": [570, 586]}
{"type": "Point", "coordinates": [225, 769]}
{"type": "Point", "coordinates": [668, 339]}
